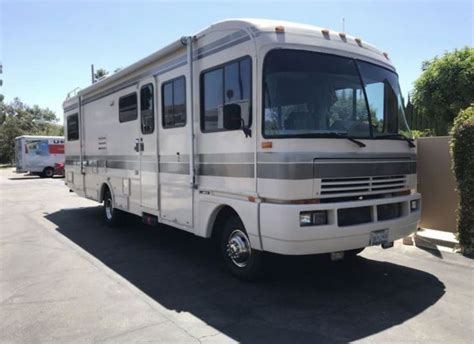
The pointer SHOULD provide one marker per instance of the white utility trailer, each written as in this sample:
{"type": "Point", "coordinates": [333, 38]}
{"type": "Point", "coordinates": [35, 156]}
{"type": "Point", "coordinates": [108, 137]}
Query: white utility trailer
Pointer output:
{"type": "Point", "coordinates": [38, 154]}
{"type": "Point", "coordinates": [266, 135]}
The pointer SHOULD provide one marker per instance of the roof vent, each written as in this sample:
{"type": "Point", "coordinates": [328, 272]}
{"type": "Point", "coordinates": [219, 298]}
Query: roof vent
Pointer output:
{"type": "Point", "coordinates": [325, 33]}
{"type": "Point", "coordinates": [279, 29]}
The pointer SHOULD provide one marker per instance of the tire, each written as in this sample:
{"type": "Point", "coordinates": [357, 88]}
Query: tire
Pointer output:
{"type": "Point", "coordinates": [48, 172]}
{"type": "Point", "coordinates": [112, 216]}
{"type": "Point", "coordinates": [243, 262]}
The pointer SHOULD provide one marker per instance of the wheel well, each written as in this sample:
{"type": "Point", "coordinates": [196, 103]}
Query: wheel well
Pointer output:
{"type": "Point", "coordinates": [222, 214]}
{"type": "Point", "coordinates": [103, 188]}
{"type": "Point", "coordinates": [48, 167]}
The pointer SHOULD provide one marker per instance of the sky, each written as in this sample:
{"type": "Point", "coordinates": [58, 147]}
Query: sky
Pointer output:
{"type": "Point", "coordinates": [47, 47]}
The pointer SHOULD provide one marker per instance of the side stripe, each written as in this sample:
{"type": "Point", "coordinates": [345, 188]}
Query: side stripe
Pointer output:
{"type": "Point", "coordinates": [230, 166]}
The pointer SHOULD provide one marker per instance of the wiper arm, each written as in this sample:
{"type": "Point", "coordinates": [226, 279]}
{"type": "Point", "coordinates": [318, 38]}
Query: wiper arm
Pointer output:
{"type": "Point", "coordinates": [344, 136]}
{"type": "Point", "coordinates": [400, 136]}
{"type": "Point", "coordinates": [357, 142]}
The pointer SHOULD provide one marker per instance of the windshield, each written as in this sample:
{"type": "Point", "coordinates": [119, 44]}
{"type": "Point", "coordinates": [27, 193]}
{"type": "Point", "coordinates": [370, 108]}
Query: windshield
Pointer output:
{"type": "Point", "coordinates": [308, 94]}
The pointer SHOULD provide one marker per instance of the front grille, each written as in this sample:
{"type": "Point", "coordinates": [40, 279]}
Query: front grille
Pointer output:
{"type": "Point", "coordinates": [389, 211]}
{"type": "Point", "coordinates": [337, 187]}
{"type": "Point", "coordinates": [353, 216]}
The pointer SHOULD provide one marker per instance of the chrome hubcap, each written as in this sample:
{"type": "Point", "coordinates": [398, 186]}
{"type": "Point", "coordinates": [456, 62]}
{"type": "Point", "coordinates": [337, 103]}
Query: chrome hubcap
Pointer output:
{"type": "Point", "coordinates": [238, 248]}
{"type": "Point", "coordinates": [108, 208]}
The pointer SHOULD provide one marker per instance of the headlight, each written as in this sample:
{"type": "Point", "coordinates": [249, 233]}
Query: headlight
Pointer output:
{"type": "Point", "coordinates": [313, 218]}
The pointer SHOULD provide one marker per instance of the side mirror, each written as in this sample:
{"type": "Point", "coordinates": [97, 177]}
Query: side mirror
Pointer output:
{"type": "Point", "coordinates": [232, 117]}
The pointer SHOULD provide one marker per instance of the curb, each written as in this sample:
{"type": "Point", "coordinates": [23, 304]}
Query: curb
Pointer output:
{"type": "Point", "coordinates": [433, 239]}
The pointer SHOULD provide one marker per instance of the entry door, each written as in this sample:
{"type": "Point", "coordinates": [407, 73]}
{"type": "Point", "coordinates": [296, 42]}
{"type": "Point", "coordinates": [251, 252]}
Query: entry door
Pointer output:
{"type": "Point", "coordinates": [176, 190]}
{"type": "Point", "coordinates": [148, 145]}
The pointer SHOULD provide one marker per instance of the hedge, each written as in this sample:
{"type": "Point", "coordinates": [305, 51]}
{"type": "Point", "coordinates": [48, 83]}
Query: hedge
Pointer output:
{"type": "Point", "coordinates": [462, 150]}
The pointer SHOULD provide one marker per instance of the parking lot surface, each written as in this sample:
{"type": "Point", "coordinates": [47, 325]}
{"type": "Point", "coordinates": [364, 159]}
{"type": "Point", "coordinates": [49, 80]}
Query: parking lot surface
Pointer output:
{"type": "Point", "coordinates": [66, 277]}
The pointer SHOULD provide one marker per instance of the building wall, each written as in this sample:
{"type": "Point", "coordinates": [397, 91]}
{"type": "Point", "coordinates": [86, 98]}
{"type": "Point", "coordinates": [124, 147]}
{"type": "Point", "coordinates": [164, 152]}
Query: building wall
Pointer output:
{"type": "Point", "coordinates": [437, 184]}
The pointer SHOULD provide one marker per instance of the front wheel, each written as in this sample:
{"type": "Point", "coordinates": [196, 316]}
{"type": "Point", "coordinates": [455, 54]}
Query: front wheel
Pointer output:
{"type": "Point", "coordinates": [242, 261]}
{"type": "Point", "coordinates": [48, 172]}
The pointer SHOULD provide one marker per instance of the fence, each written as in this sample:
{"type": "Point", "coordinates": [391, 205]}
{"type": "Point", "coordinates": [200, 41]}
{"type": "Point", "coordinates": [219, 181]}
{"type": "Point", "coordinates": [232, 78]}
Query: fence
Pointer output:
{"type": "Point", "coordinates": [437, 184]}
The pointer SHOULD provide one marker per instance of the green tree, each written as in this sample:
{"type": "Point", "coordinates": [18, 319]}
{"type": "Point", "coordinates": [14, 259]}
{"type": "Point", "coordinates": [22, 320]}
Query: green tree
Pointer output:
{"type": "Point", "coordinates": [17, 118]}
{"type": "Point", "coordinates": [100, 73]}
{"type": "Point", "coordinates": [445, 86]}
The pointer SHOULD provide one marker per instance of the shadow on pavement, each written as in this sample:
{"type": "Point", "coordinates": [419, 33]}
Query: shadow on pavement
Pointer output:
{"type": "Point", "coordinates": [26, 177]}
{"type": "Point", "coordinates": [303, 299]}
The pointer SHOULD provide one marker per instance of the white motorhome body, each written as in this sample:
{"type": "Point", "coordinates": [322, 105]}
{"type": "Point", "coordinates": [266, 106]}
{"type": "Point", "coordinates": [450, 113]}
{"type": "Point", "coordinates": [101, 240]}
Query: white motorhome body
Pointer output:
{"type": "Point", "coordinates": [291, 129]}
{"type": "Point", "coordinates": [38, 154]}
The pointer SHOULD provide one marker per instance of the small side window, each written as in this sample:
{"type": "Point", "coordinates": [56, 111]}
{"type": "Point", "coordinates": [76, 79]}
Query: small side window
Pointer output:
{"type": "Point", "coordinates": [147, 109]}
{"type": "Point", "coordinates": [128, 108]}
{"type": "Point", "coordinates": [173, 95]}
{"type": "Point", "coordinates": [72, 127]}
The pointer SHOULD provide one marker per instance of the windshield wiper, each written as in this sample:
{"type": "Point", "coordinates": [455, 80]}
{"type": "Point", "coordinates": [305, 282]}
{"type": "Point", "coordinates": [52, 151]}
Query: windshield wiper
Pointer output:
{"type": "Point", "coordinates": [336, 135]}
{"type": "Point", "coordinates": [399, 136]}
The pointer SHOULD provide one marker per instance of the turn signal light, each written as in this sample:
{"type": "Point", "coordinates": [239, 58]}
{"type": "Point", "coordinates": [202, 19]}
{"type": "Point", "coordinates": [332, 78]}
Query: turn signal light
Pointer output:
{"type": "Point", "coordinates": [414, 205]}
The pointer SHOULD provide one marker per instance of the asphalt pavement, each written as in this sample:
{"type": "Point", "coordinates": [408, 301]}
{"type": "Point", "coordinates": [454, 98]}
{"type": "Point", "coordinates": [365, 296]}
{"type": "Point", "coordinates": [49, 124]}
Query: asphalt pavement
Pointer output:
{"type": "Point", "coordinates": [67, 278]}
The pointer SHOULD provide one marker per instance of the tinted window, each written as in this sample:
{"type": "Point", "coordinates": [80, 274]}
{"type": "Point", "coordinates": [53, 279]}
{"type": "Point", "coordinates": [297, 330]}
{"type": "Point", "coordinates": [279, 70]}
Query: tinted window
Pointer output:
{"type": "Point", "coordinates": [128, 108]}
{"type": "Point", "coordinates": [147, 109]}
{"type": "Point", "coordinates": [73, 127]}
{"type": "Point", "coordinates": [227, 84]}
{"type": "Point", "coordinates": [174, 103]}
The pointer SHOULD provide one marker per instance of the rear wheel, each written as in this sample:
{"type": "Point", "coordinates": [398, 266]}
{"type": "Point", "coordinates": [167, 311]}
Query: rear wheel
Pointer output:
{"type": "Point", "coordinates": [112, 216]}
{"type": "Point", "coordinates": [48, 172]}
{"type": "Point", "coordinates": [242, 261]}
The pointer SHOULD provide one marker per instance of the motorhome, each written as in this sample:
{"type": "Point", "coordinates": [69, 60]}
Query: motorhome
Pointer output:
{"type": "Point", "coordinates": [267, 136]}
{"type": "Point", "coordinates": [38, 154]}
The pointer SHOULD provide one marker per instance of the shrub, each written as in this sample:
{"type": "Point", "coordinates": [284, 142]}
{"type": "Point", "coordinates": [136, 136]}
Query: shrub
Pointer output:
{"type": "Point", "coordinates": [462, 150]}
{"type": "Point", "coordinates": [422, 133]}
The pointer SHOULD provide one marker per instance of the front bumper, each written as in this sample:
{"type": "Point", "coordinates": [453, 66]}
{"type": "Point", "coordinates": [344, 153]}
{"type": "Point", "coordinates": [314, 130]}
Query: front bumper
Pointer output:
{"type": "Point", "coordinates": [281, 232]}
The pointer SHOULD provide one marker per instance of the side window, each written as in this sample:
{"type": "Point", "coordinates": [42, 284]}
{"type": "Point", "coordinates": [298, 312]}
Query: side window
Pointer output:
{"type": "Point", "coordinates": [173, 95]}
{"type": "Point", "coordinates": [73, 127]}
{"type": "Point", "coordinates": [224, 85]}
{"type": "Point", "coordinates": [128, 108]}
{"type": "Point", "coordinates": [147, 109]}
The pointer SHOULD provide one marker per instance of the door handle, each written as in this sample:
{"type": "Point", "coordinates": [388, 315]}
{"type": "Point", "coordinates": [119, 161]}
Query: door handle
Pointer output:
{"type": "Point", "coordinates": [137, 145]}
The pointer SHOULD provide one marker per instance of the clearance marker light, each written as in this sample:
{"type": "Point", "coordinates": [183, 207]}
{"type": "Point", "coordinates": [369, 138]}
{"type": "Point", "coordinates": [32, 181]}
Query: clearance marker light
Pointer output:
{"type": "Point", "coordinates": [343, 36]}
{"type": "Point", "coordinates": [358, 41]}
{"type": "Point", "coordinates": [279, 29]}
{"type": "Point", "coordinates": [267, 144]}
{"type": "Point", "coordinates": [386, 56]}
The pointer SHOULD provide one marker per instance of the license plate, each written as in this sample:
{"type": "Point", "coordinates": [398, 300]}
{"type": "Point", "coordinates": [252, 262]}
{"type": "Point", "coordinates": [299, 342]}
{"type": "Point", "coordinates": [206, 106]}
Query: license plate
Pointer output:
{"type": "Point", "coordinates": [379, 237]}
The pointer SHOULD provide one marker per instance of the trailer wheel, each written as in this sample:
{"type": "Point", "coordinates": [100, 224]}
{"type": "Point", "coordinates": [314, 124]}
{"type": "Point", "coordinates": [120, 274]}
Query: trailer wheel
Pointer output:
{"type": "Point", "coordinates": [112, 216]}
{"type": "Point", "coordinates": [240, 259]}
{"type": "Point", "coordinates": [48, 172]}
